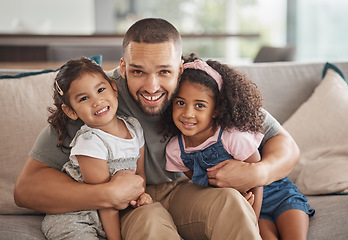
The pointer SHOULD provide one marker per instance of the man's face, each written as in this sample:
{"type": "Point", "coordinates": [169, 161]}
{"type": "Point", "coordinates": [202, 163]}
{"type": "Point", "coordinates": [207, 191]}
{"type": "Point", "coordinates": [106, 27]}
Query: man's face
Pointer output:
{"type": "Point", "coordinates": [152, 72]}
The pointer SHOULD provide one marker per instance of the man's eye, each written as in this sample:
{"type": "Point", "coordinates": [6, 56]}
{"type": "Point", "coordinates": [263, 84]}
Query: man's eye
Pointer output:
{"type": "Point", "coordinates": [100, 90]}
{"type": "Point", "coordinates": [137, 72]}
{"type": "Point", "coordinates": [165, 72]}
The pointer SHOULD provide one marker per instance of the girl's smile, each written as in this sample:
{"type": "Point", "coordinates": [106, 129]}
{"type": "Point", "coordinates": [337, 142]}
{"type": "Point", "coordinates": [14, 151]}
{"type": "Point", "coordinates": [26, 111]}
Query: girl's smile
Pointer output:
{"type": "Point", "coordinates": [102, 111]}
{"type": "Point", "coordinates": [188, 125]}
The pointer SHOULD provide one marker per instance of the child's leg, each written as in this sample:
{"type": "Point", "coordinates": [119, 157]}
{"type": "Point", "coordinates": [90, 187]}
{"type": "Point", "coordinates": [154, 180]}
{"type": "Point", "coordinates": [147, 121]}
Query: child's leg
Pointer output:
{"type": "Point", "coordinates": [77, 225]}
{"type": "Point", "coordinates": [293, 224]}
{"type": "Point", "coordinates": [111, 223]}
{"type": "Point", "coordinates": [268, 229]}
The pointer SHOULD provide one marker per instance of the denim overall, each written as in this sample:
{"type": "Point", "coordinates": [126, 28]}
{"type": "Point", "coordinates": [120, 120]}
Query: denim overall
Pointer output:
{"type": "Point", "coordinates": [278, 196]}
{"type": "Point", "coordinates": [199, 161]}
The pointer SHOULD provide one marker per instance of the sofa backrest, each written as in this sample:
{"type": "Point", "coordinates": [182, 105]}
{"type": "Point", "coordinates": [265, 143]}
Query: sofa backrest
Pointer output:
{"type": "Point", "coordinates": [286, 85]}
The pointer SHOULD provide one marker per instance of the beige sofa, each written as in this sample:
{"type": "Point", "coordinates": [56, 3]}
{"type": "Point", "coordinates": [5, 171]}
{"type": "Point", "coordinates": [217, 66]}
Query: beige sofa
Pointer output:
{"type": "Point", "coordinates": [287, 88]}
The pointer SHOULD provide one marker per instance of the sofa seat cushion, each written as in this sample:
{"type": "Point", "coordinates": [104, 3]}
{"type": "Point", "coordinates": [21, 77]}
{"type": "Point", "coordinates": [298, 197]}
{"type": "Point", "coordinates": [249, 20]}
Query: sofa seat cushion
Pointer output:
{"type": "Point", "coordinates": [330, 219]}
{"type": "Point", "coordinates": [14, 227]}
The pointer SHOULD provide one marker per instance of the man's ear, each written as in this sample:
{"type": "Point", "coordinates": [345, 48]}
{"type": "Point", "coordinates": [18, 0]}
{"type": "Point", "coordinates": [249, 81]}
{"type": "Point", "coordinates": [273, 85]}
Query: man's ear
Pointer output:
{"type": "Point", "coordinates": [181, 67]}
{"type": "Point", "coordinates": [114, 87]}
{"type": "Point", "coordinates": [69, 112]}
{"type": "Point", "coordinates": [123, 67]}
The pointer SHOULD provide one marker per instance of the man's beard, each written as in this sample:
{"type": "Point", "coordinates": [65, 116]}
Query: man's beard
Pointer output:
{"type": "Point", "coordinates": [153, 110]}
{"type": "Point", "coordinates": [158, 109]}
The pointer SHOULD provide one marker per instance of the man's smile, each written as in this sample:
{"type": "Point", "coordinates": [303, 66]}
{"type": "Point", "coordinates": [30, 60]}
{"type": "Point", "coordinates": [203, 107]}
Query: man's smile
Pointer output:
{"type": "Point", "coordinates": [152, 99]}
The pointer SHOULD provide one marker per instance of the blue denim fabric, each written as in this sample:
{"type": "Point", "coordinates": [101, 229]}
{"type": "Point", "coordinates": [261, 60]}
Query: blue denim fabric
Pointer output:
{"type": "Point", "coordinates": [199, 161]}
{"type": "Point", "coordinates": [281, 196]}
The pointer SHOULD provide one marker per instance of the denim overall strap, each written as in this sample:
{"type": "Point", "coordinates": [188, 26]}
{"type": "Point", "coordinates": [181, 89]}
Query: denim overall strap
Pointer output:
{"type": "Point", "coordinates": [189, 162]}
{"type": "Point", "coordinates": [181, 143]}
{"type": "Point", "coordinates": [220, 134]}
{"type": "Point", "coordinates": [198, 161]}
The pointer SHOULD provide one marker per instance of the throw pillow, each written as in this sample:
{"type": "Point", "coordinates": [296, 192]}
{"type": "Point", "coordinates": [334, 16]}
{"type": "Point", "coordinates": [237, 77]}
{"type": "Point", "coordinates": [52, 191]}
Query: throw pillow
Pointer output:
{"type": "Point", "coordinates": [320, 128]}
{"type": "Point", "coordinates": [24, 103]}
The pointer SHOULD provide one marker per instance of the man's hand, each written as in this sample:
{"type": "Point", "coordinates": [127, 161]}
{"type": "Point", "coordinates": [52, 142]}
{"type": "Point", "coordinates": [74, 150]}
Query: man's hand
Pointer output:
{"type": "Point", "coordinates": [235, 174]}
{"type": "Point", "coordinates": [124, 188]}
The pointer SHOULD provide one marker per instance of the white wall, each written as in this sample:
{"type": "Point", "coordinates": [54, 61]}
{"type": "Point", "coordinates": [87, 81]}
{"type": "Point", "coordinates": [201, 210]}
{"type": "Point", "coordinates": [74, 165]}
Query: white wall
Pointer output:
{"type": "Point", "coordinates": [47, 16]}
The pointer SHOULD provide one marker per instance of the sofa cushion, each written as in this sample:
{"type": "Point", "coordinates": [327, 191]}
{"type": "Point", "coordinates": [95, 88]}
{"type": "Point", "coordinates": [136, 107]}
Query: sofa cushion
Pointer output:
{"type": "Point", "coordinates": [320, 128]}
{"type": "Point", "coordinates": [14, 227]}
{"type": "Point", "coordinates": [24, 103]}
{"type": "Point", "coordinates": [329, 220]}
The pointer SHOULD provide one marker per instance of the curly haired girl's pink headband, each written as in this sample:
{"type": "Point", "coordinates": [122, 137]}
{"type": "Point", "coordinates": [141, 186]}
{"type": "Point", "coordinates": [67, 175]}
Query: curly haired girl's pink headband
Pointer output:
{"type": "Point", "coordinates": [201, 65]}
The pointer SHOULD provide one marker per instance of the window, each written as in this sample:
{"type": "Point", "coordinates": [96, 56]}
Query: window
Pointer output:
{"type": "Point", "coordinates": [316, 27]}
{"type": "Point", "coordinates": [253, 17]}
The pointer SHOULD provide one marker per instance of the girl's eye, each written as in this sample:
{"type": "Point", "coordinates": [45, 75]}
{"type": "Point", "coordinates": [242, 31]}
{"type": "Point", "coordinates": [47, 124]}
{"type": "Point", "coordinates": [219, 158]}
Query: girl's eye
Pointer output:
{"type": "Point", "coordinates": [100, 90]}
{"type": "Point", "coordinates": [179, 102]}
{"type": "Point", "coordinates": [200, 105]}
{"type": "Point", "coordinates": [83, 99]}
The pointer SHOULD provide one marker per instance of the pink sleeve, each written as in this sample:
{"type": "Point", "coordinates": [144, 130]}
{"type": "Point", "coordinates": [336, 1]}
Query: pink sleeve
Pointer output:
{"type": "Point", "coordinates": [174, 162]}
{"type": "Point", "coordinates": [241, 145]}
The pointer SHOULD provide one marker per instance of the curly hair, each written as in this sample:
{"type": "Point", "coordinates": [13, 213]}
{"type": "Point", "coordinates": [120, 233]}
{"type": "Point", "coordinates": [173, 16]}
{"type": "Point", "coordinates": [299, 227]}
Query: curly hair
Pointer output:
{"type": "Point", "coordinates": [239, 101]}
{"type": "Point", "coordinates": [70, 71]}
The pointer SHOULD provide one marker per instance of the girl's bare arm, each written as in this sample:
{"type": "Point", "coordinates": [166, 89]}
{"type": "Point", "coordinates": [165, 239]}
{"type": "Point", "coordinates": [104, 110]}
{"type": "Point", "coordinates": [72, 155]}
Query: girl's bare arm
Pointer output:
{"type": "Point", "coordinates": [144, 198]}
{"type": "Point", "coordinates": [257, 191]}
{"type": "Point", "coordinates": [96, 171]}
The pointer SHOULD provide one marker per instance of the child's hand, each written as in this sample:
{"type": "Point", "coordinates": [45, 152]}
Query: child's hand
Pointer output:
{"type": "Point", "coordinates": [250, 197]}
{"type": "Point", "coordinates": [143, 199]}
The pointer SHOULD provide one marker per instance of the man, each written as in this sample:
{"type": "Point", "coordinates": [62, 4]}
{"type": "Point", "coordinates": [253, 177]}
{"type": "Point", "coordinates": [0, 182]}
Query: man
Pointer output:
{"type": "Point", "coordinates": [147, 80]}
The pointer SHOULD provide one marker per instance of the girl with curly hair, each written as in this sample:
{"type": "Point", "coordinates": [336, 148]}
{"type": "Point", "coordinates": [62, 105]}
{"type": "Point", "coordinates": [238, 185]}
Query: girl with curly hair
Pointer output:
{"type": "Point", "coordinates": [103, 146]}
{"type": "Point", "coordinates": [215, 116]}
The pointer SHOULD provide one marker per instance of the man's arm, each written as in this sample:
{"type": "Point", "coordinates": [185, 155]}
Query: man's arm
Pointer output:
{"type": "Point", "coordinates": [279, 156]}
{"type": "Point", "coordinates": [45, 189]}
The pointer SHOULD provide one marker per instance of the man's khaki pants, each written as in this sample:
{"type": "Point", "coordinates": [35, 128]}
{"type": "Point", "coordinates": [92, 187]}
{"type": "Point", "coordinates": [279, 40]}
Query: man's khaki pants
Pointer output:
{"type": "Point", "coordinates": [194, 212]}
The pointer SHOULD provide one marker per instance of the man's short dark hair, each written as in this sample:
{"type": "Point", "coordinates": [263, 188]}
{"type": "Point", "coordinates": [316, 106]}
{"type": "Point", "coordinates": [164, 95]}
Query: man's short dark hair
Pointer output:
{"type": "Point", "coordinates": [152, 30]}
